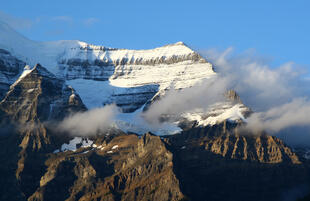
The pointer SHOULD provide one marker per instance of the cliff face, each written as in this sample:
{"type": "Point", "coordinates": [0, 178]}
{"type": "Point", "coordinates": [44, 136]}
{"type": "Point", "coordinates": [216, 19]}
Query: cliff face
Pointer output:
{"type": "Point", "coordinates": [180, 167]}
{"type": "Point", "coordinates": [127, 168]}
{"type": "Point", "coordinates": [219, 163]}
{"type": "Point", "coordinates": [36, 97]}
{"type": "Point", "coordinates": [100, 63]}
{"type": "Point", "coordinates": [230, 141]}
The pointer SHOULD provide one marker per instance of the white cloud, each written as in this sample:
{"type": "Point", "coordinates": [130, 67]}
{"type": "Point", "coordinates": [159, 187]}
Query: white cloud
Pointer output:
{"type": "Point", "coordinates": [293, 113]}
{"type": "Point", "coordinates": [89, 122]}
{"type": "Point", "coordinates": [279, 97]}
{"type": "Point", "coordinates": [202, 95]}
{"type": "Point", "coordinates": [259, 85]}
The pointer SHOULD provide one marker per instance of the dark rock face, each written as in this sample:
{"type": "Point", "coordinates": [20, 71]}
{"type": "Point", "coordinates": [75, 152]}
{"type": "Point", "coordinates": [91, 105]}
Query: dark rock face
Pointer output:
{"type": "Point", "coordinates": [132, 171]}
{"type": "Point", "coordinates": [218, 163]}
{"type": "Point", "coordinates": [131, 99]}
{"type": "Point", "coordinates": [84, 66]}
{"type": "Point", "coordinates": [232, 95]}
{"type": "Point", "coordinates": [230, 141]}
{"type": "Point", "coordinates": [105, 65]}
{"type": "Point", "coordinates": [180, 167]}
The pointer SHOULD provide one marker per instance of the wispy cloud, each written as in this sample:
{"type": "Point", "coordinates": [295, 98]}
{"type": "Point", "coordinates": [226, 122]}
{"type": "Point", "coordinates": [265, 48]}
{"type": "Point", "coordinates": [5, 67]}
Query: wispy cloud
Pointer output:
{"type": "Point", "coordinates": [293, 113]}
{"type": "Point", "coordinates": [279, 97]}
{"type": "Point", "coordinates": [90, 122]}
{"type": "Point", "coordinates": [90, 21]}
{"type": "Point", "coordinates": [63, 18]}
{"type": "Point", "coordinates": [16, 22]}
{"type": "Point", "coordinates": [260, 86]}
{"type": "Point", "coordinates": [200, 96]}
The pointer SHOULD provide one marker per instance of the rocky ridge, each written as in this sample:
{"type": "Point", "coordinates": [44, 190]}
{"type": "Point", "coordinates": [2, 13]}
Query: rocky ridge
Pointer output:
{"type": "Point", "coordinates": [38, 96]}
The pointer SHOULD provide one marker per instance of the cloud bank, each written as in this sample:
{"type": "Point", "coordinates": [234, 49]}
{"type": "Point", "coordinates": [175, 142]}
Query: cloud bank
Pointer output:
{"type": "Point", "coordinates": [176, 102]}
{"type": "Point", "coordinates": [279, 97]}
{"type": "Point", "coordinates": [260, 86]}
{"type": "Point", "coordinates": [293, 113]}
{"type": "Point", "coordinates": [90, 122]}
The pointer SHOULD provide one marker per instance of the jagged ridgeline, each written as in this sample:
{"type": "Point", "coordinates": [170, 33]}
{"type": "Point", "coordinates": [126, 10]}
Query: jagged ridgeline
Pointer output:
{"type": "Point", "coordinates": [210, 158]}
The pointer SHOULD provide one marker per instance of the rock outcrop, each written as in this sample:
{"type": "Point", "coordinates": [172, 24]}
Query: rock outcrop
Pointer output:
{"type": "Point", "coordinates": [38, 96]}
{"type": "Point", "coordinates": [219, 163]}
{"type": "Point", "coordinates": [128, 168]}
{"type": "Point", "coordinates": [231, 141]}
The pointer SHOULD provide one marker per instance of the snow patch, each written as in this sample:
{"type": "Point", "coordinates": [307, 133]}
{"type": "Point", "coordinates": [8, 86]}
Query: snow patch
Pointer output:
{"type": "Point", "coordinates": [72, 96]}
{"type": "Point", "coordinates": [56, 151]}
{"type": "Point", "coordinates": [72, 146]}
{"type": "Point", "coordinates": [115, 147]}
{"type": "Point", "coordinates": [217, 113]}
{"type": "Point", "coordinates": [101, 147]}
{"type": "Point", "coordinates": [307, 154]}
{"type": "Point", "coordinates": [26, 71]}
{"type": "Point", "coordinates": [30, 90]}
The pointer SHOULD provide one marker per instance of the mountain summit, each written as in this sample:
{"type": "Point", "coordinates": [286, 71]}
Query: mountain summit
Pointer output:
{"type": "Point", "coordinates": [199, 155]}
{"type": "Point", "coordinates": [132, 79]}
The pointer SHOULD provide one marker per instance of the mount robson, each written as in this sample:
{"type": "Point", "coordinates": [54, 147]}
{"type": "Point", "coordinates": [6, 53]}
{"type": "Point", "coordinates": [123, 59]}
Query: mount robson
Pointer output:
{"type": "Point", "coordinates": [86, 122]}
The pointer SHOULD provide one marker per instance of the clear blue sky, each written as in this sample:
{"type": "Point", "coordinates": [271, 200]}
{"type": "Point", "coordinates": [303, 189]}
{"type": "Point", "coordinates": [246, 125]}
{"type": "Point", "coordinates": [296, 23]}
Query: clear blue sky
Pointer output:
{"type": "Point", "coordinates": [276, 28]}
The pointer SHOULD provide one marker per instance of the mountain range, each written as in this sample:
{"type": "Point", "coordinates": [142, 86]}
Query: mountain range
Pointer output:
{"type": "Point", "coordinates": [197, 155]}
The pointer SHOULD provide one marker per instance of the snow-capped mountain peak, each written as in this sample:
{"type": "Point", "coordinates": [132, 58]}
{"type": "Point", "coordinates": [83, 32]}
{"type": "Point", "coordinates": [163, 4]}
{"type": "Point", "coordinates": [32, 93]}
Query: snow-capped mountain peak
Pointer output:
{"type": "Point", "coordinates": [104, 75]}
